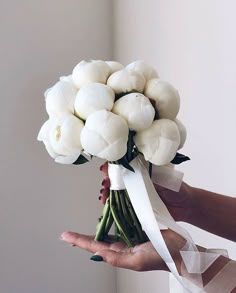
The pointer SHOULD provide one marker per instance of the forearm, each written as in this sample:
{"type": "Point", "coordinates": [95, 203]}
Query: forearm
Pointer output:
{"type": "Point", "coordinates": [213, 212]}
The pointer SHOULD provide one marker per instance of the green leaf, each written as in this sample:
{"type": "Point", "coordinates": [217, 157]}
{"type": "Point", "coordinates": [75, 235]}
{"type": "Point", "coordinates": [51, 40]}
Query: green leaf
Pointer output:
{"type": "Point", "coordinates": [125, 163]}
{"type": "Point", "coordinates": [81, 160]}
{"type": "Point", "coordinates": [179, 158]}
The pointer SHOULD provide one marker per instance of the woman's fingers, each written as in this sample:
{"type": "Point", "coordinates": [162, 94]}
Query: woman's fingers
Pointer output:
{"type": "Point", "coordinates": [104, 192]}
{"type": "Point", "coordinates": [83, 241]}
{"type": "Point", "coordinates": [113, 257]}
{"type": "Point", "coordinates": [104, 168]}
{"type": "Point", "coordinates": [106, 182]}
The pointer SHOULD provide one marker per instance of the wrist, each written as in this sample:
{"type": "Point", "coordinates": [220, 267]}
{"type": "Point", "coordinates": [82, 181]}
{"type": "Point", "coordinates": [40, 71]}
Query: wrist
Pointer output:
{"type": "Point", "coordinates": [189, 203]}
{"type": "Point", "coordinates": [192, 205]}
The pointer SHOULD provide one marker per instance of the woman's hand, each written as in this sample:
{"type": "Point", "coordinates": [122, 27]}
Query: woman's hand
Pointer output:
{"type": "Point", "coordinates": [141, 257]}
{"type": "Point", "coordinates": [178, 203]}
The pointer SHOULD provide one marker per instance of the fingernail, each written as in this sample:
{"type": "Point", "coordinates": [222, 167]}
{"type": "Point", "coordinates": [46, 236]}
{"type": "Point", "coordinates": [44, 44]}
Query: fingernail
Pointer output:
{"type": "Point", "coordinates": [62, 237]}
{"type": "Point", "coordinates": [96, 257]}
{"type": "Point", "coordinates": [67, 235]}
{"type": "Point", "coordinates": [100, 198]}
{"type": "Point", "coordinates": [101, 190]}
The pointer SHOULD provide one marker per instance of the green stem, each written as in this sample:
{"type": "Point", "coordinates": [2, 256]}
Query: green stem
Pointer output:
{"type": "Point", "coordinates": [125, 208]}
{"type": "Point", "coordinates": [101, 225]}
{"type": "Point", "coordinates": [117, 234]}
{"type": "Point", "coordinates": [108, 223]}
{"type": "Point", "coordinates": [119, 224]}
{"type": "Point", "coordinates": [137, 224]}
{"type": "Point", "coordinates": [122, 211]}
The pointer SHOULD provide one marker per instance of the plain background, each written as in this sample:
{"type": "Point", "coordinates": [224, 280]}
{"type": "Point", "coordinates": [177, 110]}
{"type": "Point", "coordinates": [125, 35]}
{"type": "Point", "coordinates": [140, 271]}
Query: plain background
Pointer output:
{"type": "Point", "coordinates": [40, 41]}
{"type": "Point", "coordinates": [191, 43]}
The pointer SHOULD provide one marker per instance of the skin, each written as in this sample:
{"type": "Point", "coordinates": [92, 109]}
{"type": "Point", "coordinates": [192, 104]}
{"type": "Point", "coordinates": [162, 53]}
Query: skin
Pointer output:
{"type": "Point", "coordinates": [198, 207]}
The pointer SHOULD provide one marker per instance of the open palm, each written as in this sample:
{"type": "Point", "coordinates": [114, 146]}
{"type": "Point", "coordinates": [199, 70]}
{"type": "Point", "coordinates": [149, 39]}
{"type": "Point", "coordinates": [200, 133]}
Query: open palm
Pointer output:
{"type": "Point", "coordinates": [142, 257]}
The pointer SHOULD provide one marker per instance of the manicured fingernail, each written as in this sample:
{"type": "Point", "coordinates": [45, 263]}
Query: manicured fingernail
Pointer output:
{"type": "Point", "coordinates": [96, 258]}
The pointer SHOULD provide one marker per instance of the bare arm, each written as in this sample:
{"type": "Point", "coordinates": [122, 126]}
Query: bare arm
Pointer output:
{"type": "Point", "coordinates": [213, 212]}
{"type": "Point", "coordinates": [207, 210]}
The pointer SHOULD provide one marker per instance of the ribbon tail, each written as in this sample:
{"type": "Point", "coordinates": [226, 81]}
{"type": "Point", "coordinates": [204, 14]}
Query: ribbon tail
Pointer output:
{"type": "Point", "coordinates": [139, 195]}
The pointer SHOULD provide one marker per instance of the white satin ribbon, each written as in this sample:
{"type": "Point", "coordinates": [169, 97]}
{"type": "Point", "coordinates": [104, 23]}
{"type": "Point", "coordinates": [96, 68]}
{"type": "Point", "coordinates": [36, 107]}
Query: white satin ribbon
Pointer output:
{"type": "Point", "coordinates": [151, 212]}
{"type": "Point", "coordinates": [166, 176]}
{"type": "Point", "coordinates": [115, 176]}
{"type": "Point", "coordinates": [224, 281]}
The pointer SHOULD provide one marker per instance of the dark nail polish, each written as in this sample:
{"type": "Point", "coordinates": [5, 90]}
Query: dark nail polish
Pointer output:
{"type": "Point", "coordinates": [96, 258]}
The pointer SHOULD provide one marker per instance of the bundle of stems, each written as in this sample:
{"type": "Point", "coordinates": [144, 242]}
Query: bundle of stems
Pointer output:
{"type": "Point", "coordinates": [118, 210]}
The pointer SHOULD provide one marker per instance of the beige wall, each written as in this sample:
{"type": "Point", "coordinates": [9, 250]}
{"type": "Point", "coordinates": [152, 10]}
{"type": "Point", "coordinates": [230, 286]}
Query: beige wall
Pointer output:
{"type": "Point", "coordinates": [192, 44]}
{"type": "Point", "coordinates": [41, 40]}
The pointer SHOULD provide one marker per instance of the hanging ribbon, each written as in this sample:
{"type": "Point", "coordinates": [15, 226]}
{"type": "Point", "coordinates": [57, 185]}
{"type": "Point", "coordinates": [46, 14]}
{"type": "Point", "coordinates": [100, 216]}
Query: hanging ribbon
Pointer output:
{"type": "Point", "coordinates": [151, 212]}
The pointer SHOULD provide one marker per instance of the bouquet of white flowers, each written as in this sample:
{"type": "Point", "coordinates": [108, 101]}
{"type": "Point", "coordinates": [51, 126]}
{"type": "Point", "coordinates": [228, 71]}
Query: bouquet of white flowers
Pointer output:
{"type": "Point", "coordinates": [118, 114]}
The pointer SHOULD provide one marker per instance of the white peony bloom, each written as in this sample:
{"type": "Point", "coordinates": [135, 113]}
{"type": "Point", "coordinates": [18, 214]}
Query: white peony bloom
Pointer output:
{"type": "Point", "coordinates": [89, 72]}
{"type": "Point", "coordinates": [166, 97]}
{"type": "Point", "coordinates": [93, 97]}
{"type": "Point", "coordinates": [69, 79]}
{"type": "Point", "coordinates": [44, 137]}
{"type": "Point", "coordinates": [141, 67]}
{"type": "Point", "coordinates": [182, 132]}
{"type": "Point", "coordinates": [159, 143]}
{"type": "Point", "coordinates": [60, 99]}
{"type": "Point", "coordinates": [105, 135]}
{"type": "Point", "coordinates": [136, 109]}
{"type": "Point", "coordinates": [125, 80]}
{"type": "Point", "coordinates": [62, 138]}
{"type": "Point", "coordinates": [114, 66]}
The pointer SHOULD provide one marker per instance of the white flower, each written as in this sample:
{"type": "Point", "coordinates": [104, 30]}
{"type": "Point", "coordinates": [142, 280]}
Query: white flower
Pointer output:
{"type": "Point", "coordinates": [182, 132]}
{"type": "Point", "coordinates": [69, 79]}
{"type": "Point", "coordinates": [136, 109]}
{"type": "Point", "coordinates": [125, 80]}
{"type": "Point", "coordinates": [62, 138]}
{"type": "Point", "coordinates": [93, 97]}
{"type": "Point", "coordinates": [159, 143]}
{"type": "Point", "coordinates": [114, 66]}
{"type": "Point", "coordinates": [44, 137]}
{"type": "Point", "coordinates": [105, 135]}
{"type": "Point", "coordinates": [89, 72]}
{"type": "Point", "coordinates": [166, 97]}
{"type": "Point", "coordinates": [60, 99]}
{"type": "Point", "coordinates": [141, 67]}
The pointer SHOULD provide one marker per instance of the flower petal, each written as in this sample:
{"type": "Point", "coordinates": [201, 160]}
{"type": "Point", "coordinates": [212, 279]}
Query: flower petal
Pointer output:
{"type": "Point", "coordinates": [68, 159]}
